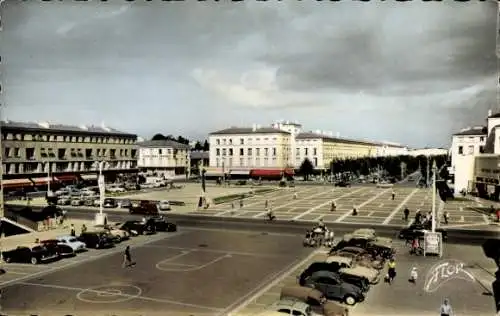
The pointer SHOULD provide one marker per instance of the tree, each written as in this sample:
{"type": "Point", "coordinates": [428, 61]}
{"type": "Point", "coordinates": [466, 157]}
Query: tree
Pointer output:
{"type": "Point", "coordinates": [182, 140]}
{"type": "Point", "coordinates": [206, 146]}
{"type": "Point", "coordinates": [159, 137]}
{"type": "Point", "coordinates": [306, 169]}
{"type": "Point", "coordinates": [198, 146]}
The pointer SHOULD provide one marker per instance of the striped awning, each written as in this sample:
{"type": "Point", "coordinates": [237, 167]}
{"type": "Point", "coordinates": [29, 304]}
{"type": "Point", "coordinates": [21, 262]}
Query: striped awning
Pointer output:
{"type": "Point", "coordinates": [89, 176]}
{"type": "Point", "coordinates": [240, 172]}
{"type": "Point", "coordinates": [16, 183]}
{"type": "Point", "coordinates": [64, 178]}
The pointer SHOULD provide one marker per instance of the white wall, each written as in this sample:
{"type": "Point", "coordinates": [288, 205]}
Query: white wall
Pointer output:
{"type": "Point", "coordinates": [470, 146]}
{"type": "Point", "coordinates": [150, 157]}
{"type": "Point", "coordinates": [464, 172]}
{"type": "Point", "coordinates": [310, 145]}
{"type": "Point", "coordinates": [428, 152]}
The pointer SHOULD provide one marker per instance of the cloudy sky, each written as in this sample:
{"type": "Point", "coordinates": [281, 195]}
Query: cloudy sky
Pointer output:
{"type": "Point", "coordinates": [404, 72]}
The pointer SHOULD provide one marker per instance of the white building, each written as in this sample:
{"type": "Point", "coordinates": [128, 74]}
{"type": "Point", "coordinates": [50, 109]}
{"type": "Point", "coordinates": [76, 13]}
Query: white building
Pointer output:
{"type": "Point", "coordinates": [285, 146]}
{"type": "Point", "coordinates": [428, 152]}
{"type": "Point", "coordinates": [164, 157]}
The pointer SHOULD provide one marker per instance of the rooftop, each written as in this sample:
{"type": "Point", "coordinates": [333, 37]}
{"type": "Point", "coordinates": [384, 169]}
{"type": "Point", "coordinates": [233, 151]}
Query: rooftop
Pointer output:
{"type": "Point", "coordinates": [63, 128]}
{"type": "Point", "coordinates": [473, 131]}
{"type": "Point", "coordinates": [249, 130]}
{"type": "Point", "coordinates": [163, 144]}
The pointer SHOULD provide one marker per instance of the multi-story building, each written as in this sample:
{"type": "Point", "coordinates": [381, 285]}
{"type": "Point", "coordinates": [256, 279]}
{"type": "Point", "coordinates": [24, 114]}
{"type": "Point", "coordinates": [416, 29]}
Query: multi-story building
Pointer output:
{"type": "Point", "coordinates": [283, 146]}
{"type": "Point", "coordinates": [164, 157]}
{"type": "Point", "coordinates": [33, 153]}
{"type": "Point", "coordinates": [428, 152]}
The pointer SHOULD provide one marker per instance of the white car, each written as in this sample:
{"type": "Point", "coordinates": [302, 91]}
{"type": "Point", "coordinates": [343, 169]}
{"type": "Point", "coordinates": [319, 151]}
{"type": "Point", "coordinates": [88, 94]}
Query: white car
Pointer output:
{"type": "Point", "coordinates": [115, 232]}
{"type": "Point", "coordinates": [115, 189]}
{"type": "Point", "coordinates": [71, 241]}
{"type": "Point", "coordinates": [164, 206]}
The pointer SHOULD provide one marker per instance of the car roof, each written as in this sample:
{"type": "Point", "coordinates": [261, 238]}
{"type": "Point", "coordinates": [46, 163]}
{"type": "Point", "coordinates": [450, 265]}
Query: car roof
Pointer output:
{"type": "Point", "coordinates": [324, 274]}
{"type": "Point", "coordinates": [290, 303]}
{"type": "Point", "coordinates": [300, 292]}
{"type": "Point", "coordinates": [339, 259]}
{"type": "Point", "coordinates": [66, 237]}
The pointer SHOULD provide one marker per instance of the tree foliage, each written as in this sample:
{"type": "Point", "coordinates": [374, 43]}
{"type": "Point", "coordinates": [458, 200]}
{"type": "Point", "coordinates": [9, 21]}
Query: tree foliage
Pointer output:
{"type": "Point", "coordinates": [306, 169]}
{"type": "Point", "coordinates": [179, 139]}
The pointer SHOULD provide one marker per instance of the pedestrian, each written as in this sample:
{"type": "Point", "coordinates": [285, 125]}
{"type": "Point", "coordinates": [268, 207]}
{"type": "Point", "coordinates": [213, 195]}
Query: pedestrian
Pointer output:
{"type": "Point", "coordinates": [498, 215]}
{"type": "Point", "coordinates": [406, 213]}
{"type": "Point", "coordinates": [73, 231]}
{"type": "Point", "coordinates": [393, 195]}
{"type": "Point", "coordinates": [266, 204]}
{"type": "Point", "coordinates": [295, 196]}
{"type": "Point", "coordinates": [446, 217]}
{"type": "Point", "coordinates": [446, 309]}
{"type": "Point", "coordinates": [84, 228]}
{"type": "Point", "coordinates": [127, 258]}
{"type": "Point", "coordinates": [391, 271]}
{"type": "Point", "coordinates": [333, 208]}
{"type": "Point", "coordinates": [270, 214]}
{"type": "Point", "coordinates": [418, 216]}
{"type": "Point", "coordinates": [241, 202]}
{"type": "Point", "coordinates": [413, 275]}
{"type": "Point", "coordinates": [354, 211]}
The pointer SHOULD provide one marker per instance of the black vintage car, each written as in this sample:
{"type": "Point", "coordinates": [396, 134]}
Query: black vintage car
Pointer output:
{"type": "Point", "coordinates": [96, 240]}
{"type": "Point", "coordinates": [33, 254]}
{"type": "Point", "coordinates": [109, 203]}
{"type": "Point", "coordinates": [334, 288]}
{"type": "Point", "coordinates": [342, 184]}
{"type": "Point", "coordinates": [55, 245]}
{"type": "Point", "coordinates": [333, 267]}
{"type": "Point", "coordinates": [418, 231]}
{"type": "Point", "coordinates": [374, 248]}
{"type": "Point", "coordinates": [138, 227]}
{"type": "Point", "coordinates": [161, 224]}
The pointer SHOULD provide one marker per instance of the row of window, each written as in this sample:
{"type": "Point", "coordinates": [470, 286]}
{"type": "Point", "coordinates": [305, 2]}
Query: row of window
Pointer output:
{"type": "Point", "coordinates": [229, 141]}
{"type": "Point", "coordinates": [267, 162]}
{"type": "Point", "coordinates": [34, 167]}
{"type": "Point", "coordinates": [67, 139]}
{"type": "Point", "coordinates": [470, 150]}
{"type": "Point", "coordinates": [481, 138]}
{"type": "Point", "coordinates": [230, 151]}
{"type": "Point", "coordinates": [490, 170]}
{"type": "Point", "coordinates": [162, 151]}
{"type": "Point", "coordinates": [30, 153]}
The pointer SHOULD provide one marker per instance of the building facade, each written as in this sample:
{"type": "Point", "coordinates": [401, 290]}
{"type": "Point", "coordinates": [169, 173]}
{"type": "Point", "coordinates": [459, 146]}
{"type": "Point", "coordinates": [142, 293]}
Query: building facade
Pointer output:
{"type": "Point", "coordinates": [33, 153]}
{"type": "Point", "coordinates": [164, 157]}
{"type": "Point", "coordinates": [428, 152]}
{"type": "Point", "coordinates": [284, 146]}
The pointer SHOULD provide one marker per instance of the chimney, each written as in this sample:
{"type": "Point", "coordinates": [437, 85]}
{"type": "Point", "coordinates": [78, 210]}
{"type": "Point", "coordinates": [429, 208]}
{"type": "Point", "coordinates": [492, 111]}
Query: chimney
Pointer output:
{"type": "Point", "coordinates": [490, 113]}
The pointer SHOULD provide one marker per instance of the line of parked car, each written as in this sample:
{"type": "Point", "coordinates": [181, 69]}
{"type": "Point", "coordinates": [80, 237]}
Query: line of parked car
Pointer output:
{"type": "Point", "coordinates": [351, 267]}
{"type": "Point", "coordinates": [98, 237]}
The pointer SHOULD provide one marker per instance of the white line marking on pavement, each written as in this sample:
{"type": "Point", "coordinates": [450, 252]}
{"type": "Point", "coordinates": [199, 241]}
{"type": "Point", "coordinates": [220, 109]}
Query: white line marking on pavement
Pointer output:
{"type": "Point", "coordinates": [15, 272]}
{"type": "Point", "coordinates": [238, 253]}
{"type": "Point", "coordinates": [422, 204]}
{"type": "Point", "coordinates": [277, 192]}
{"type": "Point", "coordinates": [462, 219]}
{"type": "Point", "coordinates": [235, 308]}
{"type": "Point", "coordinates": [69, 288]}
{"type": "Point", "coordinates": [486, 219]}
{"type": "Point", "coordinates": [308, 198]}
{"type": "Point", "coordinates": [323, 204]}
{"type": "Point", "coordinates": [381, 204]}
{"type": "Point", "coordinates": [461, 209]}
{"type": "Point", "coordinates": [399, 207]}
{"type": "Point", "coordinates": [349, 212]}
{"type": "Point", "coordinates": [318, 218]}
{"type": "Point", "coordinates": [371, 213]}
{"type": "Point", "coordinates": [113, 251]}
{"type": "Point", "coordinates": [465, 225]}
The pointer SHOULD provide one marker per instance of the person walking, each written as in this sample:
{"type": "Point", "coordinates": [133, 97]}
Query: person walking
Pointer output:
{"type": "Point", "coordinates": [333, 208]}
{"type": "Point", "coordinates": [393, 195]}
{"type": "Point", "coordinates": [391, 271]}
{"type": "Point", "coordinates": [413, 275]}
{"type": "Point", "coordinates": [73, 231]}
{"type": "Point", "coordinates": [446, 217]}
{"type": "Point", "coordinates": [354, 211]}
{"type": "Point", "coordinates": [446, 309]}
{"type": "Point", "coordinates": [127, 258]}
{"type": "Point", "coordinates": [270, 214]}
{"type": "Point", "coordinates": [241, 202]}
{"type": "Point", "coordinates": [406, 213]}
{"type": "Point", "coordinates": [295, 196]}
{"type": "Point", "coordinates": [266, 204]}
{"type": "Point", "coordinates": [84, 229]}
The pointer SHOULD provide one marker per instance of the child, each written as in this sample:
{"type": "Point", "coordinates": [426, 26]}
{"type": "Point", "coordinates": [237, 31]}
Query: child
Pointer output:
{"type": "Point", "coordinates": [413, 275]}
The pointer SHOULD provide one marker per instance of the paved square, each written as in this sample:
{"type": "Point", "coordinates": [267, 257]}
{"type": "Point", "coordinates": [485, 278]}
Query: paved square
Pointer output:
{"type": "Point", "coordinates": [374, 205]}
{"type": "Point", "coordinates": [192, 272]}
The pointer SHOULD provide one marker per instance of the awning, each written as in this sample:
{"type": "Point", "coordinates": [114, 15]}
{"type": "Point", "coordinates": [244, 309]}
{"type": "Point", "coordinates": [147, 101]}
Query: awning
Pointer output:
{"type": "Point", "coordinates": [214, 174]}
{"type": "Point", "coordinates": [16, 183]}
{"type": "Point", "coordinates": [240, 172]}
{"type": "Point", "coordinates": [267, 172]}
{"type": "Point", "coordinates": [66, 178]}
{"type": "Point", "coordinates": [289, 171]}
{"type": "Point", "coordinates": [41, 181]}
{"type": "Point", "coordinates": [88, 176]}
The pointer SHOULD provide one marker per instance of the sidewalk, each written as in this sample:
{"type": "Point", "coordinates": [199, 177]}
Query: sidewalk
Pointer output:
{"type": "Point", "coordinates": [11, 242]}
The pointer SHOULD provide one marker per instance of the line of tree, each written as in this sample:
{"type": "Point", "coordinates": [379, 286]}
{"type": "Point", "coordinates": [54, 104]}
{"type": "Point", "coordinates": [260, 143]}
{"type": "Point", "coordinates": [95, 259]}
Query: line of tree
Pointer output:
{"type": "Point", "coordinates": [390, 166]}
{"type": "Point", "coordinates": [199, 146]}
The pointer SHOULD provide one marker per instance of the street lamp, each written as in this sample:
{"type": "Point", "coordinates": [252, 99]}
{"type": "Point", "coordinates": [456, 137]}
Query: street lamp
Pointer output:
{"type": "Point", "coordinates": [434, 171]}
{"type": "Point", "coordinates": [48, 176]}
{"type": "Point", "coordinates": [100, 218]}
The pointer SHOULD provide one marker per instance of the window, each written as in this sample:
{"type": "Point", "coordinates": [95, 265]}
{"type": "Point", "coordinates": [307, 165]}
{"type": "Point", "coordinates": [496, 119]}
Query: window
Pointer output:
{"type": "Point", "coordinates": [297, 151]}
{"type": "Point", "coordinates": [224, 141]}
{"type": "Point", "coordinates": [241, 162]}
{"type": "Point", "coordinates": [224, 151]}
{"type": "Point", "coordinates": [217, 162]}
{"type": "Point", "coordinates": [266, 152]}
{"type": "Point", "coordinates": [470, 150]}
{"type": "Point", "coordinates": [242, 152]}
{"type": "Point", "coordinates": [249, 151]}
{"type": "Point", "coordinates": [217, 141]}
{"type": "Point", "coordinates": [161, 151]}
{"type": "Point", "coordinates": [217, 152]}
{"type": "Point", "coordinates": [306, 151]}
{"type": "Point", "coordinates": [315, 151]}
{"type": "Point", "coordinates": [230, 151]}
{"type": "Point", "coordinates": [481, 138]}
{"type": "Point", "coordinates": [257, 151]}
{"type": "Point", "coordinates": [242, 141]}
{"type": "Point", "coordinates": [7, 152]}
{"type": "Point", "coordinates": [481, 149]}
{"type": "Point", "coordinates": [30, 153]}
{"type": "Point", "coordinates": [315, 162]}
{"type": "Point", "coordinates": [16, 152]}
{"type": "Point", "coordinates": [230, 141]}
{"type": "Point", "coordinates": [460, 150]}
{"type": "Point", "coordinates": [274, 151]}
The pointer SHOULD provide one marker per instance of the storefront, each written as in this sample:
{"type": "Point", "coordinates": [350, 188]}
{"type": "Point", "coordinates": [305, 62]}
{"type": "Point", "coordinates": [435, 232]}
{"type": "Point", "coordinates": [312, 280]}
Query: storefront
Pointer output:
{"type": "Point", "coordinates": [486, 179]}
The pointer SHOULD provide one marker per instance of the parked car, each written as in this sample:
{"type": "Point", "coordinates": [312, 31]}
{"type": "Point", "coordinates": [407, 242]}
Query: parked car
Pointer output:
{"type": "Point", "coordinates": [343, 184]}
{"type": "Point", "coordinates": [314, 298]}
{"type": "Point", "coordinates": [375, 247]}
{"type": "Point", "coordinates": [418, 231]}
{"type": "Point", "coordinates": [161, 224]}
{"type": "Point", "coordinates": [96, 240]}
{"type": "Point", "coordinates": [89, 201]}
{"type": "Point", "coordinates": [115, 189]}
{"type": "Point", "coordinates": [64, 200]}
{"type": "Point", "coordinates": [126, 203]}
{"type": "Point", "coordinates": [51, 211]}
{"type": "Point", "coordinates": [33, 254]}
{"type": "Point", "coordinates": [137, 228]}
{"type": "Point", "coordinates": [72, 242]}
{"type": "Point", "coordinates": [362, 257]}
{"type": "Point", "coordinates": [333, 288]}
{"type": "Point", "coordinates": [289, 307]}
{"type": "Point", "coordinates": [351, 267]}
{"type": "Point", "coordinates": [76, 202]}
{"type": "Point", "coordinates": [144, 208]}
{"type": "Point", "coordinates": [335, 267]}
{"type": "Point", "coordinates": [164, 205]}
{"type": "Point", "coordinates": [62, 250]}
{"type": "Point", "coordinates": [370, 233]}
{"type": "Point", "coordinates": [109, 203]}
{"type": "Point", "coordinates": [115, 232]}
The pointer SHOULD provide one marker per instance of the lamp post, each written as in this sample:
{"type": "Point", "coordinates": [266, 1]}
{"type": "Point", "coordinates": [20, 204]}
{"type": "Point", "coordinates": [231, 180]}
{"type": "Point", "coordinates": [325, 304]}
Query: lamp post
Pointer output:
{"type": "Point", "coordinates": [48, 177]}
{"type": "Point", "coordinates": [102, 187]}
{"type": "Point", "coordinates": [434, 171]}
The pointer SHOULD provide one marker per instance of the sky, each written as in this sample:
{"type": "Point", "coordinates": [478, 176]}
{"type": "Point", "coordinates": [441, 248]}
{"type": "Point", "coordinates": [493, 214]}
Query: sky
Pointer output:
{"type": "Point", "coordinates": [412, 73]}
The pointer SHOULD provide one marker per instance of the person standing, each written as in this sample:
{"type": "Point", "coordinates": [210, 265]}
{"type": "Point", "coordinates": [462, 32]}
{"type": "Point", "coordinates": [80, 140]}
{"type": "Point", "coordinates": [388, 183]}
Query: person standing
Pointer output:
{"type": "Point", "coordinates": [406, 213]}
{"type": "Point", "coordinates": [73, 231]}
{"type": "Point", "coordinates": [446, 309]}
{"type": "Point", "coordinates": [393, 195]}
{"type": "Point", "coordinates": [446, 217]}
{"type": "Point", "coordinates": [266, 205]}
{"type": "Point", "coordinates": [354, 211]}
{"type": "Point", "coordinates": [127, 258]}
{"type": "Point", "coordinates": [333, 208]}
{"type": "Point", "coordinates": [241, 202]}
{"type": "Point", "coordinates": [391, 271]}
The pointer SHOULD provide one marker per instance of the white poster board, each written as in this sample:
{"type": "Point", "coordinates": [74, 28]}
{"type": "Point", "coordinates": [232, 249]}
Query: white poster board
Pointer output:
{"type": "Point", "coordinates": [433, 244]}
